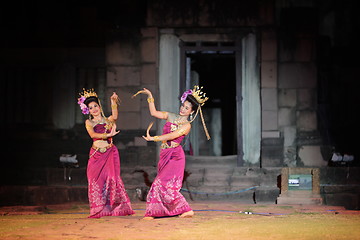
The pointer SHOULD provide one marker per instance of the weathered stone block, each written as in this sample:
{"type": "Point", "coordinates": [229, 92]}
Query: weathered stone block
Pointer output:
{"type": "Point", "coordinates": [244, 181]}
{"type": "Point", "coordinates": [148, 32]}
{"type": "Point", "coordinates": [266, 194]}
{"type": "Point", "coordinates": [306, 120]}
{"type": "Point", "coordinates": [129, 104]}
{"type": "Point", "coordinates": [311, 156]}
{"type": "Point", "coordinates": [348, 200]}
{"type": "Point", "coordinates": [302, 50]}
{"type": "Point", "coordinates": [340, 175]}
{"type": "Point", "coordinates": [289, 136]}
{"type": "Point", "coordinates": [287, 117]}
{"type": "Point", "coordinates": [287, 97]}
{"type": "Point", "coordinates": [121, 53]}
{"type": "Point", "coordinates": [269, 120]}
{"type": "Point", "coordinates": [129, 120]}
{"type": "Point", "coordinates": [271, 156]}
{"type": "Point", "coordinates": [272, 142]}
{"type": "Point", "coordinates": [118, 76]}
{"type": "Point", "coordinates": [269, 48]}
{"type": "Point", "coordinates": [297, 75]}
{"type": "Point", "coordinates": [148, 74]}
{"type": "Point", "coordinates": [270, 177]}
{"type": "Point", "coordinates": [306, 99]}
{"type": "Point", "coordinates": [148, 50]}
{"type": "Point", "coordinates": [269, 99]}
{"type": "Point", "coordinates": [269, 74]}
{"type": "Point", "coordinates": [270, 134]}
{"type": "Point", "coordinates": [309, 138]}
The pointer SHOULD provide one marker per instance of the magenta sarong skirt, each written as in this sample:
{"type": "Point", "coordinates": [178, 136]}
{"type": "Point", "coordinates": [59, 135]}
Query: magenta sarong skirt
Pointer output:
{"type": "Point", "coordinates": [106, 191]}
{"type": "Point", "coordinates": [164, 197]}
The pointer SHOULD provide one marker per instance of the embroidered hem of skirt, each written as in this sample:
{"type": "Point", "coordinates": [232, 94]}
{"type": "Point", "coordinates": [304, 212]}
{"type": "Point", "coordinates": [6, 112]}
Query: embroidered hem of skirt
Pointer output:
{"type": "Point", "coordinates": [165, 213]}
{"type": "Point", "coordinates": [107, 212]}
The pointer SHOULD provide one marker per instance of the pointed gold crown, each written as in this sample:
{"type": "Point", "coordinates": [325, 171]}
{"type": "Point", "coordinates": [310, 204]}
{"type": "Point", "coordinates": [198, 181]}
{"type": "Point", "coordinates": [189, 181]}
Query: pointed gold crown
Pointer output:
{"type": "Point", "coordinates": [88, 93]}
{"type": "Point", "coordinates": [199, 95]}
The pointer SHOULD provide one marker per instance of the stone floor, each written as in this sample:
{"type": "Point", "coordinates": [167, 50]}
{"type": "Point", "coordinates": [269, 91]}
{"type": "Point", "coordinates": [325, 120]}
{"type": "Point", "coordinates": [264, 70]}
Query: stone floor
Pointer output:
{"type": "Point", "coordinates": [212, 220]}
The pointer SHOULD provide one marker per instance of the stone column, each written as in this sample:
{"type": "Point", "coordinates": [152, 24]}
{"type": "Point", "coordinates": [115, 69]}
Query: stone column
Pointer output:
{"type": "Point", "coordinates": [169, 72]}
{"type": "Point", "coordinates": [251, 102]}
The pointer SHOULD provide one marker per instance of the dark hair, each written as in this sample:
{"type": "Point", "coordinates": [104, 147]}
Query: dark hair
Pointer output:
{"type": "Point", "coordinates": [90, 100]}
{"type": "Point", "coordinates": [192, 100]}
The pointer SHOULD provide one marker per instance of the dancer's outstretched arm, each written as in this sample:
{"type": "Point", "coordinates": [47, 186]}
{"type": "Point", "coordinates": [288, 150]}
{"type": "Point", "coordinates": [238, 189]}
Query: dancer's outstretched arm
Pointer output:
{"type": "Point", "coordinates": [152, 108]}
{"type": "Point", "coordinates": [183, 130]}
{"type": "Point", "coordinates": [114, 99]}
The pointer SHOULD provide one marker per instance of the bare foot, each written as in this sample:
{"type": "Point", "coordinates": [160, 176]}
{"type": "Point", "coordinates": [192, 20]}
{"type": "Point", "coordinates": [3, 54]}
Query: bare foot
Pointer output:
{"type": "Point", "coordinates": [188, 214]}
{"type": "Point", "coordinates": [148, 218]}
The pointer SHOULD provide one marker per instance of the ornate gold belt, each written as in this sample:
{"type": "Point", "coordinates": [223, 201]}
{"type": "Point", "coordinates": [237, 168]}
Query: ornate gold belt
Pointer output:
{"type": "Point", "coordinates": [101, 145]}
{"type": "Point", "coordinates": [164, 145]}
{"type": "Point", "coordinates": [104, 149]}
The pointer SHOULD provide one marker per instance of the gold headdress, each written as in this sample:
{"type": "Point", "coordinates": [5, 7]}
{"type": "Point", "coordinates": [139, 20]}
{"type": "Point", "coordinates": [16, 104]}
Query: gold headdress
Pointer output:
{"type": "Point", "coordinates": [199, 95]}
{"type": "Point", "coordinates": [83, 96]}
{"type": "Point", "coordinates": [88, 93]}
{"type": "Point", "coordinates": [201, 99]}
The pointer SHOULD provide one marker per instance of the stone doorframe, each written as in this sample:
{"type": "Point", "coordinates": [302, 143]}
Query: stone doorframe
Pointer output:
{"type": "Point", "coordinates": [247, 80]}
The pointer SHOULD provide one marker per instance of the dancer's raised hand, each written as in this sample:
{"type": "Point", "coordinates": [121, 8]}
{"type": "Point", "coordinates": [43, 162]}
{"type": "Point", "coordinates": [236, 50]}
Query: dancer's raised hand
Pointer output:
{"type": "Point", "coordinates": [113, 131]}
{"type": "Point", "coordinates": [148, 137]}
{"type": "Point", "coordinates": [144, 91]}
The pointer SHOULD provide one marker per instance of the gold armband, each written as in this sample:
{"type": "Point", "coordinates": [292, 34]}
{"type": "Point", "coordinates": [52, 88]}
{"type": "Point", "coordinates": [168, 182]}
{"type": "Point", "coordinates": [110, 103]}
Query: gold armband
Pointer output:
{"type": "Point", "coordinates": [114, 106]}
{"type": "Point", "coordinates": [104, 136]}
{"type": "Point", "coordinates": [181, 132]}
{"type": "Point", "coordinates": [150, 99]}
{"type": "Point", "coordinates": [156, 139]}
{"type": "Point", "coordinates": [88, 126]}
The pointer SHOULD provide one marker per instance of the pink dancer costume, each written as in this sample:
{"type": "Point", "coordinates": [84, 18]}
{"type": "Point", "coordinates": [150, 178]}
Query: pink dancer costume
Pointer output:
{"type": "Point", "coordinates": [107, 194]}
{"type": "Point", "coordinates": [164, 197]}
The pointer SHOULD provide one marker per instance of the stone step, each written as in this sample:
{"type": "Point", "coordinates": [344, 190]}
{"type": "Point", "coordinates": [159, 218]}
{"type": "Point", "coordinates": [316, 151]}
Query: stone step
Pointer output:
{"type": "Point", "coordinates": [218, 171]}
{"type": "Point", "coordinates": [244, 181]}
{"type": "Point", "coordinates": [216, 183]}
{"type": "Point", "coordinates": [299, 200]}
{"type": "Point", "coordinates": [220, 193]}
{"type": "Point", "coordinates": [340, 188]}
{"type": "Point", "coordinates": [266, 194]}
{"type": "Point", "coordinates": [300, 193]}
{"type": "Point", "coordinates": [211, 176]}
{"type": "Point", "coordinates": [299, 197]}
{"type": "Point", "coordinates": [214, 178]}
{"type": "Point", "coordinates": [202, 161]}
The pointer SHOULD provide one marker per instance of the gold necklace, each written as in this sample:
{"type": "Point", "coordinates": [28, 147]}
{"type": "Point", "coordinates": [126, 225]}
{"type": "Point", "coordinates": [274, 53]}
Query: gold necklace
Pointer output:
{"type": "Point", "coordinates": [102, 120]}
{"type": "Point", "coordinates": [180, 121]}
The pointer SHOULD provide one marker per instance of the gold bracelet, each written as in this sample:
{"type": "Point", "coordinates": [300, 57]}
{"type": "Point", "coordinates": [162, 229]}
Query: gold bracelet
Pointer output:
{"type": "Point", "coordinates": [156, 139]}
{"type": "Point", "coordinates": [164, 115]}
{"type": "Point", "coordinates": [150, 99]}
{"type": "Point", "coordinates": [104, 136]}
{"type": "Point", "coordinates": [181, 132]}
{"type": "Point", "coordinates": [114, 106]}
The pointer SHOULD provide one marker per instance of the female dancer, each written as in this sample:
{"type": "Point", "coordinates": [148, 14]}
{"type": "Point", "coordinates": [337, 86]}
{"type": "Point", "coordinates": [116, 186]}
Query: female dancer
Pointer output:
{"type": "Point", "coordinates": [164, 197]}
{"type": "Point", "coordinates": [107, 195]}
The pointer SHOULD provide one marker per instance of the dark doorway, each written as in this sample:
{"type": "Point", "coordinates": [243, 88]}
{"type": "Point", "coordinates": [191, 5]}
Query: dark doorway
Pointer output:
{"type": "Point", "coordinates": [216, 71]}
